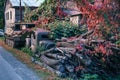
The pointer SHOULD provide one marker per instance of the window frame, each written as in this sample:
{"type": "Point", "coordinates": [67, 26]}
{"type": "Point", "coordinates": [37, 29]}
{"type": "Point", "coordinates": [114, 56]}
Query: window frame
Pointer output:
{"type": "Point", "coordinates": [10, 14]}
{"type": "Point", "coordinates": [7, 16]}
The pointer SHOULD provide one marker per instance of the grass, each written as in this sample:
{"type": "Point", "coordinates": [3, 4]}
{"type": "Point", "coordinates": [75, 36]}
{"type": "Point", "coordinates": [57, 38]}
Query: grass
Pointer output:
{"type": "Point", "coordinates": [42, 74]}
{"type": "Point", "coordinates": [1, 38]}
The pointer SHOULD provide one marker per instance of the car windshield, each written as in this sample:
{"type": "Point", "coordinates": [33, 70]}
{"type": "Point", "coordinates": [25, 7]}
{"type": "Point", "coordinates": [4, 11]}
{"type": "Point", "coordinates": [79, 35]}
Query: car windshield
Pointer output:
{"type": "Point", "coordinates": [30, 25]}
{"type": "Point", "coordinates": [44, 36]}
{"type": "Point", "coordinates": [18, 26]}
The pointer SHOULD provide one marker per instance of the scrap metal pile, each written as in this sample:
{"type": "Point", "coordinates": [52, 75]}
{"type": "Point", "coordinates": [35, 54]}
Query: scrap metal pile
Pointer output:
{"type": "Point", "coordinates": [79, 55]}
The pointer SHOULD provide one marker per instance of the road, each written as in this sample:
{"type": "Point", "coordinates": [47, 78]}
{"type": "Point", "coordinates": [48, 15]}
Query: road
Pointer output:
{"type": "Point", "coordinates": [12, 69]}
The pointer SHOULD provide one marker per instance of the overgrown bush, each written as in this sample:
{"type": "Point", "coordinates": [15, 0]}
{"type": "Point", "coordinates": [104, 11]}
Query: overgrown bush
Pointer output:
{"type": "Point", "coordinates": [64, 29]}
{"type": "Point", "coordinates": [2, 14]}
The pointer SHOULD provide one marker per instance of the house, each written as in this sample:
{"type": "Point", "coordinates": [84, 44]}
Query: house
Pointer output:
{"type": "Point", "coordinates": [71, 10]}
{"type": "Point", "coordinates": [12, 10]}
{"type": "Point", "coordinates": [74, 16]}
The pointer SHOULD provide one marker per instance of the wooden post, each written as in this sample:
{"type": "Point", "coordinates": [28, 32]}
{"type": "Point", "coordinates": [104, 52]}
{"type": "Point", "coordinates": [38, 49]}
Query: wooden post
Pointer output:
{"type": "Point", "coordinates": [20, 12]}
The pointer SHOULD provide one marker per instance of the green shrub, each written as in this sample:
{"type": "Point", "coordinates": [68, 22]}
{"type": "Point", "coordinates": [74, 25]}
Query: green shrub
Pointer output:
{"type": "Point", "coordinates": [90, 77]}
{"type": "Point", "coordinates": [64, 29]}
{"type": "Point", "coordinates": [117, 42]}
{"type": "Point", "coordinates": [40, 49]}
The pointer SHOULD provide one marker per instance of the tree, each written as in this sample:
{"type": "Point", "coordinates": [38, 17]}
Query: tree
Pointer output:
{"type": "Point", "coordinates": [2, 13]}
{"type": "Point", "coordinates": [101, 15]}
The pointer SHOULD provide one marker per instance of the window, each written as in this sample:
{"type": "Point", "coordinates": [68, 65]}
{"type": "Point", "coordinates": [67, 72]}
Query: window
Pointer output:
{"type": "Point", "coordinates": [10, 14]}
{"type": "Point", "coordinates": [7, 16]}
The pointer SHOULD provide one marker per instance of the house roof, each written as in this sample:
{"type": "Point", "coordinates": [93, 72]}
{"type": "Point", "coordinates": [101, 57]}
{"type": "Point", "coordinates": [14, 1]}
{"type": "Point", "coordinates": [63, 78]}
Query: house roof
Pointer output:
{"type": "Point", "coordinates": [72, 12]}
{"type": "Point", "coordinates": [30, 3]}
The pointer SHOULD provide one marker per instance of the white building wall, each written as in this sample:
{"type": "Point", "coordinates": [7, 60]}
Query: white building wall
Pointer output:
{"type": "Point", "coordinates": [74, 20]}
{"type": "Point", "coordinates": [11, 18]}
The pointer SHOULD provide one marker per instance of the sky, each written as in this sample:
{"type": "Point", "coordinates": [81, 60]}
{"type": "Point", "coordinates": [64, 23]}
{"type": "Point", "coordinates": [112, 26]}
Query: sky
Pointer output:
{"type": "Point", "coordinates": [27, 2]}
{"type": "Point", "coordinates": [41, 0]}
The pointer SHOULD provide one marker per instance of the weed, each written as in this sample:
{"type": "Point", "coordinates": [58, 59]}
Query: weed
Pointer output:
{"type": "Point", "coordinates": [27, 50]}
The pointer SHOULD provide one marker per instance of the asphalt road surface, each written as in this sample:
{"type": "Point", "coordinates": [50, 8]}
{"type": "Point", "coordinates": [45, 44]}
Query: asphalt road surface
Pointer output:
{"type": "Point", "coordinates": [12, 69]}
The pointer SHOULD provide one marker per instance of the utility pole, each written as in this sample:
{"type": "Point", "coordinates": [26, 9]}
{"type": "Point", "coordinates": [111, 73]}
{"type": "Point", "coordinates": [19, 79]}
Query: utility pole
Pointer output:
{"type": "Point", "coordinates": [20, 12]}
